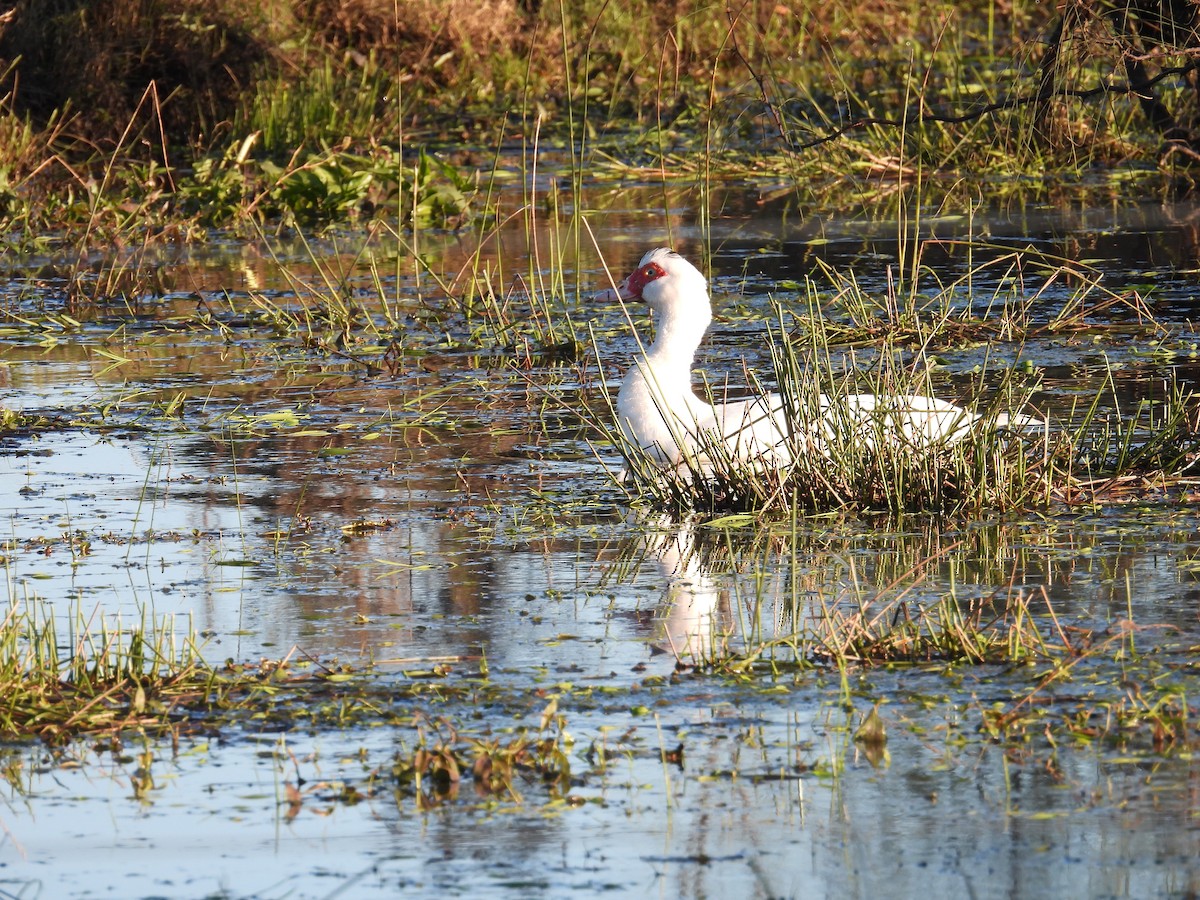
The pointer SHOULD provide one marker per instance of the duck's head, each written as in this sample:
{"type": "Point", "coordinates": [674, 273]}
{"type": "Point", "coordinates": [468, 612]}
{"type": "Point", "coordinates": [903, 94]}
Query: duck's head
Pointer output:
{"type": "Point", "coordinates": [668, 283]}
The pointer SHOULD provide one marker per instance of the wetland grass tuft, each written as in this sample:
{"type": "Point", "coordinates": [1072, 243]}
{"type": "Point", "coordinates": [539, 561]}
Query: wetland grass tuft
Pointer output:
{"type": "Point", "coordinates": [852, 343]}
{"type": "Point", "coordinates": [1001, 630]}
{"type": "Point", "coordinates": [99, 679]}
{"type": "Point", "coordinates": [107, 679]}
{"type": "Point", "coordinates": [1152, 449]}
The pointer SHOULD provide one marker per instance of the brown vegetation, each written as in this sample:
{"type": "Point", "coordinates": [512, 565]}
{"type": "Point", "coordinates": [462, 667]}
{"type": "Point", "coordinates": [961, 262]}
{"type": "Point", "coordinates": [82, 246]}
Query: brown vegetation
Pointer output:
{"type": "Point", "coordinates": [95, 60]}
{"type": "Point", "coordinates": [417, 31]}
{"type": "Point", "coordinates": [215, 111]}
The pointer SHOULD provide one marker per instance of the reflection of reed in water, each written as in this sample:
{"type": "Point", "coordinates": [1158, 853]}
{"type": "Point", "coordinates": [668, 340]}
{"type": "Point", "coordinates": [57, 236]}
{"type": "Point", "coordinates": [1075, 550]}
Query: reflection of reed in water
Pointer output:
{"type": "Point", "coordinates": [916, 591]}
{"type": "Point", "coordinates": [852, 590]}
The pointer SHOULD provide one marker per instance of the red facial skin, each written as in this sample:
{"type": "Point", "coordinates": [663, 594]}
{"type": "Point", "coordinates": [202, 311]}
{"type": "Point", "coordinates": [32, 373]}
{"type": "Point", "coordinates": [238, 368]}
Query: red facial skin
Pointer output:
{"type": "Point", "coordinates": [637, 280]}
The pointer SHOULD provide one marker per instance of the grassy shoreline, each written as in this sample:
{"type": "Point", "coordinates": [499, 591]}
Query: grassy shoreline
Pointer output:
{"type": "Point", "coordinates": [172, 116]}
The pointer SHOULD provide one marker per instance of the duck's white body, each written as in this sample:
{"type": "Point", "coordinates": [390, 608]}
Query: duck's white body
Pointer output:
{"type": "Point", "coordinates": [658, 411]}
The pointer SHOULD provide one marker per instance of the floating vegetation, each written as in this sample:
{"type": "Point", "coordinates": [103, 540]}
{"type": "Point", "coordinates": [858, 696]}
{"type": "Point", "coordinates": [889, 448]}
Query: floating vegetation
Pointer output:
{"type": "Point", "coordinates": [497, 767]}
{"type": "Point", "coordinates": [109, 679]}
{"type": "Point", "coordinates": [16, 423]}
{"type": "Point", "coordinates": [781, 607]}
{"type": "Point", "coordinates": [347, 439]}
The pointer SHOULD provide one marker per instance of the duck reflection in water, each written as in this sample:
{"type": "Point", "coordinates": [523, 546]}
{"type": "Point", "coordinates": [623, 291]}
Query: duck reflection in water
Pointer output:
{"type": "Point", "coordinates": [717, 584]}
{"type": "Point", "coordinates": [693, 621]}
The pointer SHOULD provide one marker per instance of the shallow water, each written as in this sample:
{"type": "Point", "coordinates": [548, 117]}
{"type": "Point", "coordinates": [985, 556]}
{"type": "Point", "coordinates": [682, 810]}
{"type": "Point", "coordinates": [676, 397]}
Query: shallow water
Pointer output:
{"type": "Point", "coordinates": [446, 509]}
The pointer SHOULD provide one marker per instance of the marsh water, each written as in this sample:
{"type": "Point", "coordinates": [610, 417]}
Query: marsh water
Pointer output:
{"type": "Point", "coordinates": [445, 511]}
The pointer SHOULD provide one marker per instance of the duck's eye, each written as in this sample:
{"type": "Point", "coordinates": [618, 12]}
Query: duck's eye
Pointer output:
{"type": "Point", "coordinates": [649, 271]}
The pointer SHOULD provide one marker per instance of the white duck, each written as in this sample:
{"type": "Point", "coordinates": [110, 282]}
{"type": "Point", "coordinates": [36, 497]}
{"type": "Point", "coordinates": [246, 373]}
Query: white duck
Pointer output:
{"type": "Point", "coordinates": [658, 411]}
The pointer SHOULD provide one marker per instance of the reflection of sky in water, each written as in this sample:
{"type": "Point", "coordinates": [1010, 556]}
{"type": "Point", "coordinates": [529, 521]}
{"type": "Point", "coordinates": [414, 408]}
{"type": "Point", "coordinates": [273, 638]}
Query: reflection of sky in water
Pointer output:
{"type": "Point", "coordinates": [173, 533]}
{"type": "Point", "coordinates": [967, 822]}
{"type": "Point", "coordinates": [172, 538]}
{"type": "Point", "coordinates": [113, 492]}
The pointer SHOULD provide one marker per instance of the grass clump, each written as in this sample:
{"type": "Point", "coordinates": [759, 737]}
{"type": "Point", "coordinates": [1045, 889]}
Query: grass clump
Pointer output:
{"type": "Point", "coordinates": [109, 681]}
{"type": "Point", "coordinates": [991, 630]}
{"type": "Point", "coordinates": [105, 679]}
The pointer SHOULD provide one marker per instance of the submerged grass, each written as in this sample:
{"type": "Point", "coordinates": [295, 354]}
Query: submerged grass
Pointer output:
{"type": "Point", "coordinates": [811, 599]}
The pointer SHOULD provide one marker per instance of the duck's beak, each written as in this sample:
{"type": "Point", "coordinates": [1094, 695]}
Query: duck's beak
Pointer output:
{"type": "Point", "coordinates": [622, 292]}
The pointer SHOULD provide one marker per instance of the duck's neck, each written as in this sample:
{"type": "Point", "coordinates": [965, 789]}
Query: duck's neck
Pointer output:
{"type": "Point", "coordinates": [676, 339]}
{"type": "Point", "coordinates": [656, 408]}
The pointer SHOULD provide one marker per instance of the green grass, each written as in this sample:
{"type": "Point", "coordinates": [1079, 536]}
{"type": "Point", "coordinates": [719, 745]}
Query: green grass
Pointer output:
{"type": "Point", "coordinates": [98, 678]}
{"type": "Point", "coordinates": [922, 614]}
{"type": "Point", "coordinates": [647, 91]}
{"type": "Point", "coordinates": [108, 680]}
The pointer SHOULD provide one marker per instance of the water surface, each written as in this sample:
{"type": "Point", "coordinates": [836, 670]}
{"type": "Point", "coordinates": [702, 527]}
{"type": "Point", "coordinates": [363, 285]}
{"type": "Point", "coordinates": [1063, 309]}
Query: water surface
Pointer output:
{"type": "Point", "coordinates": [442, 506]}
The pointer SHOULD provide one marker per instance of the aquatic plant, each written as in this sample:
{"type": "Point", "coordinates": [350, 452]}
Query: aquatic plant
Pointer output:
{"type": "Point", "coordinates": [319, 189]}
{"type": "Point", "coordinates": [845, 591]}
{"type": "Point", "coordinates": [434, 769]}
{"type": "Point", "coordinates": [322, 102]}
{"type": "Point", "coordinates": [102, 677]}
{"type": "Point", "coordinates": [748, 91]}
